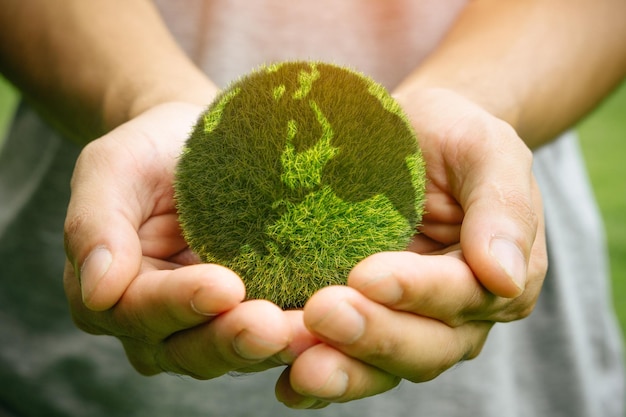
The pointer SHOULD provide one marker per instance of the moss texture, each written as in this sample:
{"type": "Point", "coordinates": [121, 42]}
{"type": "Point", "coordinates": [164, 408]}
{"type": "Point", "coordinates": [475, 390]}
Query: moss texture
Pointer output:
{"type": "Point", "coordinates": [295, 173]}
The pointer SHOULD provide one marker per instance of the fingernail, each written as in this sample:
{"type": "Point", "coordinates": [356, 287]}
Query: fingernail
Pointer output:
{"type": "Point", "coordinates": [511, 259]}
{"type": "Point", "coordinates": [252, 347]}
{"type": "Point", "coordinates": [201, 304]}
{"type": "Point", "coordinates": [199, 311]}
{"type": "Point", "coordinates": [94, 268]}
{"type": "Point", "coordinates": [342, 324]}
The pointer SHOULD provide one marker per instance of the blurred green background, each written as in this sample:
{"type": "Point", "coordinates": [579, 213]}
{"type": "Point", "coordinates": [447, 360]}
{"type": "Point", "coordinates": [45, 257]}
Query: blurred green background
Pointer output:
{"type": "Point", "coordinates": [8, 98]}
{"type": "Point", "coordinates": [603, 139]}
{"type": "Point", "coordinates": [603, 136]}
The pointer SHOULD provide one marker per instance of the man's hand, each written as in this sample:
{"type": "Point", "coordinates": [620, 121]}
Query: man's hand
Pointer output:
{"type": "Point", "coordinates": [131, 275]}
{"type": "Point", "coordinates": [480, 258]}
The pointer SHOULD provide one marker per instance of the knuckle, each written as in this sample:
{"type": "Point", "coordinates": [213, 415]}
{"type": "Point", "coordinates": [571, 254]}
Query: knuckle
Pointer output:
{"type": "Point", "coordinates": [519, 309]}
{"type": "Point", "coordinates": [425, 375]}
{"type": "Point", "coordinates": [141, 357]}
{"type": "Point", "coordinates": [85, 325]}
{"type": "Point", "coordinates": [520, 207]}
{"type": "Point", "coordinates": [171, 359]}
{"type": "Point", "coordinates": [525, 311]}
{"type": "Point", "coordinates": [465, 345]}
{"type": "Point", "coordinates": [477, 305]}
{"type": "Point", "coordinates": [75, 221]}
{"type": "Point", "coordinates": [381, 350]}
{"type": "Point", "coordinates": [89, 321]}
{"type": "Point", "coordinates": [474, 346]}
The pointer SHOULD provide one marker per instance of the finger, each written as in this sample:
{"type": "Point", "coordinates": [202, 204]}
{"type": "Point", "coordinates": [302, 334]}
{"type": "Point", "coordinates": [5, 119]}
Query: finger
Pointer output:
{"type": "Point", "coordinates": [251, 333]}
{"type": "Point", "coordinates": [442, 216]}
{"type": "Point", "coordinates": [496, 191]}
{"type": "Point", "coordinates": [437, 286]}
{"type": "Point", "coordinates": [161, 237]}
{"type": "Point", "coordinates": [293, 399]}
{"type": "Point", "coordinates": [413, 347]}
{"type": "Point", "coordinates": [80, 313]}
{"type": "Point", "coordinates": [441, 287]}
{"type": "Point", "coordinates": [301, 339]}
{"type": "Point", "coordinates": [169, 301]}
{"type": "Point", "coordinates": [101, 241]}
{"type": "Point", "coordinates": [103, 217]}
{"type": "Point", "coordinates": [159, 303]}
{"type": "Point", "coordinates": [504, 238]}
{"type": "Point", "coordinates": [323, 374]}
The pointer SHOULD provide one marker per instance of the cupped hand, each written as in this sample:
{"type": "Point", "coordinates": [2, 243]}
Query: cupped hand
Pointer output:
{"type": "Point", "coordinates": [480, 258]}
{"type": "Point", "coordinates": [130, 274]}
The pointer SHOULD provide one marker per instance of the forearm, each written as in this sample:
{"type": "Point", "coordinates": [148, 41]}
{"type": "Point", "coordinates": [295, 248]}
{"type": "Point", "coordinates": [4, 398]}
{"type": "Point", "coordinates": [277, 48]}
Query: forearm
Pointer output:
{"type": "Point", "coordinates": [89, 66]}
{"type": "Point", "coordinates": [539, 65]}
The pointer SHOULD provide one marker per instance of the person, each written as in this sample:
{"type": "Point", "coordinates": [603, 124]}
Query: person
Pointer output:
{"type": "Point", "coordinates": [483, 83]}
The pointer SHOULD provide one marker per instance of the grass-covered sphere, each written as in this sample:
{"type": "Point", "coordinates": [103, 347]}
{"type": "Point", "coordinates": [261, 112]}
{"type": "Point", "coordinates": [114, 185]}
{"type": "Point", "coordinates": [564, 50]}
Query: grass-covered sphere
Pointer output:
{"type": "Point", "coordinates": [295, 173]}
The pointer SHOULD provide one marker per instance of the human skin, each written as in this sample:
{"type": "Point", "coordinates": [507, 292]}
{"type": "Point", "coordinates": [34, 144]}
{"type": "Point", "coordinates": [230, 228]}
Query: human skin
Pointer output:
{"type": "Point", "coordinates": [481, 251]}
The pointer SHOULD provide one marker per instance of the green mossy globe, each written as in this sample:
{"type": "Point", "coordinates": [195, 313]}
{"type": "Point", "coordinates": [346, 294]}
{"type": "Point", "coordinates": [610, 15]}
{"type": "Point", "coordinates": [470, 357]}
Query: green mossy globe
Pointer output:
{"type": "Point", "coordinates": [296, 172]}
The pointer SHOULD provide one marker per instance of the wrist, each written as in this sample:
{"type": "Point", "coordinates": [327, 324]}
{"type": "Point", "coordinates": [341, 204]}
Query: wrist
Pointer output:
{"type": "Point", "coordinates": [128, 98]}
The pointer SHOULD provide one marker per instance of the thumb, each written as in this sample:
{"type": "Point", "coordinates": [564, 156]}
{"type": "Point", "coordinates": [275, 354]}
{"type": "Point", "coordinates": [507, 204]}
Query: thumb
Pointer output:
{"type": "Point", "coordinates": [101, 240]}
{"type": "Point", "coordinates": [503, 216]}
